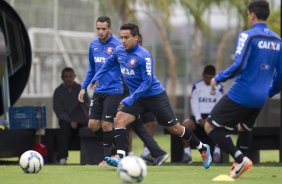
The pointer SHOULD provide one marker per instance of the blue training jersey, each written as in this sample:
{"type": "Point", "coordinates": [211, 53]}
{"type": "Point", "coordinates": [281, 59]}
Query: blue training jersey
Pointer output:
{"type": "Point", "coordinates": [110, 83]}
{"type": "Point", "coordinates": [257, 56]}
{"type": "Point", "coordinates": [137, 68]}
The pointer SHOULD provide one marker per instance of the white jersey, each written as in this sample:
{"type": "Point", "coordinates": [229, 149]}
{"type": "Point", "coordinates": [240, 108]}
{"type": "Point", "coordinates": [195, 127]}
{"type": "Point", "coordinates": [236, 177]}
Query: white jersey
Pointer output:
{"type": "Point", "coordinates": [203, 98]}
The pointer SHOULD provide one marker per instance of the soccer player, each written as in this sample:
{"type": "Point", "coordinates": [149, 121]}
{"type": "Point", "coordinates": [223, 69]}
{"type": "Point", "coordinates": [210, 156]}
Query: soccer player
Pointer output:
{"type": "Point", "coordinates": [146, 94]}
{"type": "Point", "coordinates": [108, 94]}
{"type": "Point", "coordinates": [257, 56]}
{"type": "Point", "coordinates": [203, 99]}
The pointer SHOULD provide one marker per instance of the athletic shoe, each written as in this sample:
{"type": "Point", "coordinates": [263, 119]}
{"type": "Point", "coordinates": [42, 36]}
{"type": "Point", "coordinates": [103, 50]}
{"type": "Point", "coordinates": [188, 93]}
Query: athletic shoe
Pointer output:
{"type": "Point", "coordinates": [112, 161]}
{"type": "Point", "coordinates": [238, 169]}
{"type": "Point", "coordinates": [160, 159]}
{"type": "Point", "coordinates": [103, 163]}
{"type": "Point", "coordinates": [206, 156]}
{"type": "Point", "coordinates": [148, 158]}
{"type": "Point", "coordinates": [63, 161]}
{"type": "Point", "coordinates": [216, 157]}
{"type": "Point", "coordinates": [186, 158]}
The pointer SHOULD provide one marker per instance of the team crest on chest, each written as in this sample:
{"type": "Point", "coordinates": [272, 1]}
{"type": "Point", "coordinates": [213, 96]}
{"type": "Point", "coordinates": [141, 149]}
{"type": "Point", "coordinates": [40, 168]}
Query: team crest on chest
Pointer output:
{"type": "Point", "coordinates": [110, 50]}
{"type": "Point", "coordinates": [132, 62]}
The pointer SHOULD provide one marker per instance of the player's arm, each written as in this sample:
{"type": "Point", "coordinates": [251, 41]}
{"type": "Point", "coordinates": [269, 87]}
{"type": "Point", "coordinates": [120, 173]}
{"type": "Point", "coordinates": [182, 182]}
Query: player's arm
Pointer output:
{"type": "Point", "coordinates": [109, 64]}
{"type": "Point", "coordinates": [242, 54]}
{"type": "Point", "coordinates": [146, 66]}
{"type": "Point", "coordinates": [276, 85]}
{"type": "Point", "coordinates": [195, 107]}
{"type": "Point", "coordinates": [89, 75]}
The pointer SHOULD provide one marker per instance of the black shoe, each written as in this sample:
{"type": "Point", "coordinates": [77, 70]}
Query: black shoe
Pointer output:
{"type": "Point", "coordinates": [149, 159]}
{"type": "Point", "coordinates": [160, 159]}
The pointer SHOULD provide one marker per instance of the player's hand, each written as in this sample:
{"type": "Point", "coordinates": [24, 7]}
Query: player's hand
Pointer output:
{"type": "Point", "coordinates": [213, 83]}
{"type": "Point", "coordinates": [93, 85]}
{"type": "Point", "coordinates": [81, 95]}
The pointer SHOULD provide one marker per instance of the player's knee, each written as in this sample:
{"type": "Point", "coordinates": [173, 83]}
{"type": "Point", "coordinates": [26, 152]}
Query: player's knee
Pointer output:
{"type": "Point", "coordinates": [107, 126]}
{"type": "Point", "coordinates": [94, 125]}
{"type": "Point", "coordinates": [176, 129]}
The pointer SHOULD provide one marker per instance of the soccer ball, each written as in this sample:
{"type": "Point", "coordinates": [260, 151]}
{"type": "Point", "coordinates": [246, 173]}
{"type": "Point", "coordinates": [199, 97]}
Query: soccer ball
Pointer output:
{"type": "Point", "coordinates": [132, 169]}
{"type": "Point", "coordinates": [31, 161]}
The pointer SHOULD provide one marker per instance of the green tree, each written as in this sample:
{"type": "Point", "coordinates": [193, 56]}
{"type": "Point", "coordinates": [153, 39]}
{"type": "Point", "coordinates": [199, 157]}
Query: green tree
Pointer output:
{"type": "Point", "coordinates": [159, 13]}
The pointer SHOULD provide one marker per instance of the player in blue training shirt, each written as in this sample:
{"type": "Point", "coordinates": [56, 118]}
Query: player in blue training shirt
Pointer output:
{"type": "Point", "coordinates": [109, 93]}
{"type": "Point", "coordinates": [257, 57]}
{"type": "Point", "coordinates": [146, 94]}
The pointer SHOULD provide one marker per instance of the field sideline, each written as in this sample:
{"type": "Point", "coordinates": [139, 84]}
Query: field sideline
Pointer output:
{"type": "Point", "coordinates": [268, 172]}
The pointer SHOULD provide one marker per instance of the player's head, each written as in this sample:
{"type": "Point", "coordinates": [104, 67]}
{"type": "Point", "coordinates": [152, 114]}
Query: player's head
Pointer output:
{"type": "Point", "coordinates": [258, 10]}
{"type": "Point", "coordinates": [208, 73]}
{"type": "Point", "coordinates": [129, 34]}
{"type": "Point", "coordinates": [68, 76]}
{"type": "Point", "coordinates": [103, 28]}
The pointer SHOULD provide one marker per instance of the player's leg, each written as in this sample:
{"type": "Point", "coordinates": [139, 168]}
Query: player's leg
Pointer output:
{"type": "Point", "coordinates": [110, 104]}
{"type": "Point", "coordinates": [160, 106]}
{"type": "Point", "coordinates": [157, 155]}
{"type": "Point", "coordinates": [187, 155]}
{"type": "Point", "coordinates": [149, 121]}
{"type": "Point", "coordinates": [120, 136]}
{"type": "Point", "coordinates": [227, 114]}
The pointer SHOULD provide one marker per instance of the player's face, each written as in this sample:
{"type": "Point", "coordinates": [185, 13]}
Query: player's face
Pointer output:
{"type": "Point", "coordinates": [68, 78]}
{"type": "Point", "coordinates": [127, 39]}
{"type": "Point", "coordinates": [207, 78]}
{"type": "Point", "coordinates": [103, 31]}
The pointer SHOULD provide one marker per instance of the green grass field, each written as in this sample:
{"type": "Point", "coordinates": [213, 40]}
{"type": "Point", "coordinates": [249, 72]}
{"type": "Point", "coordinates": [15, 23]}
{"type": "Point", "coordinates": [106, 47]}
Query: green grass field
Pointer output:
{"type": "Point", "coordinates": [269, 171]}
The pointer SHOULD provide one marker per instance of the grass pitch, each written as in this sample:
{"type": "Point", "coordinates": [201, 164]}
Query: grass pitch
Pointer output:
{"type": "Point", "coordinates": [267, 172]}
{"type": "Point", "coordinates": [166, 174]}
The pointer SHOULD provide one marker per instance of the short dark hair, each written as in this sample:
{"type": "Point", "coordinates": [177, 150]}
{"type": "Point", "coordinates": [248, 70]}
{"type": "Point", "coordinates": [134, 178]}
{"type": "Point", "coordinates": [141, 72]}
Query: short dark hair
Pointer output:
{"type": "Point", "coordinates": [209, 69]}
{"type": "Point", "coordinates": [67, 69]}
{"type": "Point", "coordinates": [134, 29]}
{"type": "Point", "coordinates": [104, 19]}
{"type": "Point", "coordinates": [260, 8]}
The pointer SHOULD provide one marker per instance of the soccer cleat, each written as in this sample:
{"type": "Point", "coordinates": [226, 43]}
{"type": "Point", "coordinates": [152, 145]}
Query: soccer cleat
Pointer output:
{"type": "Point", "coordinates": [112, 161]}
{"type": "Point", "coordinates": [238, 169]}
{"type": "Point", "coordinates": [206, 156]}
{"type": "Point", "coordinates": [148, 158]}
{"type": "Point", "coordinates": [160, 159]}
{"type": "Point", "coordinates": [103, 163]}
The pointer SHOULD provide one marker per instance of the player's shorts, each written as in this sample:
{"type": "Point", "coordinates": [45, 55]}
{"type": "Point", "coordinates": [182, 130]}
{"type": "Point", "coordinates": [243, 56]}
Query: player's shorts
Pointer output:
{"type": "Point", "coordinates": [148, 117]}
{"type": "Point", "coordinates": [228, 114]}
{"type": "Point", "coordinates": [104, 106]}
{"type": "Point", "coordinates": [159, 105]}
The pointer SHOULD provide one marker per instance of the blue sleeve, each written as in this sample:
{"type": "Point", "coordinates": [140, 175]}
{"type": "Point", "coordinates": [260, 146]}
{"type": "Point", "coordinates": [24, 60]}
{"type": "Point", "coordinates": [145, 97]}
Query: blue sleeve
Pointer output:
{"type": "Point", "coordinates": [242, 54]}
{"type": "Point", "coordinates": [110, 63]}
{"type": "Point", "coordinates": [91, 69]}
{"type": "Point", "coordinates": [146, 67]}
{"type": "Point", "coordinates": [276, 85]}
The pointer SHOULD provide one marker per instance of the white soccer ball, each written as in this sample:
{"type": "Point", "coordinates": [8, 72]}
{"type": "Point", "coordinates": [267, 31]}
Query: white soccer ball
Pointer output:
{"type": "Point", "coordinates": [31, 161]}
{"type": "Point", "coordinates": [132, 169]}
